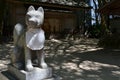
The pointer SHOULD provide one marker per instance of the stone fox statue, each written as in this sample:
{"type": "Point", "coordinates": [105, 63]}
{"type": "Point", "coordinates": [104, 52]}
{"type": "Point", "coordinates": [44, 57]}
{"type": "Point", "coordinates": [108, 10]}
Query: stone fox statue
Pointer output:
{"type": "Point", "coordinates": [29, 41]}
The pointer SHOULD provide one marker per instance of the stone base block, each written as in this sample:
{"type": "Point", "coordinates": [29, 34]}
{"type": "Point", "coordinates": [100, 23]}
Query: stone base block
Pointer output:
{"type": "Point", "coordinates": [35, 74]}
{"type": "Point", "coordinates": [2, 77]}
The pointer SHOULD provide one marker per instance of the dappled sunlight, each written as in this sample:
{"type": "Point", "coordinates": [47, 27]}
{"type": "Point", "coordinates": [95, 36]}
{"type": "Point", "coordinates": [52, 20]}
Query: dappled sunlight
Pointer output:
{"type": "Point", "coordinates": [83, 60]}
{"type": "Point", "coordinates": [3, 64]}
{"type": "Point", "coordinates": [5, 50]}
{"type": "Point", "coordinates": [69, 65]}
{"type": "Point", "coordinates": [75, 59]}
{"type": "Point", "coordinates": [90, 65]}
{"type": "Point", "coordinates": [71, 45]}
{"type": "Point", "coordinates": [116, 73]}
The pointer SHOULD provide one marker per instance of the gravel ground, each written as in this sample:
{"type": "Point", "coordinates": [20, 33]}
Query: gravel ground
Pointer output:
{"type": "Point", "coordinates": [75, 59]}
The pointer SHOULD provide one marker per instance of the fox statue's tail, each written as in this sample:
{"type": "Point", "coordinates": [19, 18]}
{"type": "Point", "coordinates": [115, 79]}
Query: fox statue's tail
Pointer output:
{"type": "Point", "coordinates": [18, 34]}
{"type": "Point", "coordinates": [17, 55]}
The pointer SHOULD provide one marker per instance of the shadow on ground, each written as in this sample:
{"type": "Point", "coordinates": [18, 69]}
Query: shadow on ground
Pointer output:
{"type": "Point", "coordinates": [5, 50]}
{"type": "Point", "coordinates": [84, 61]}
{"type": "Point", "coordinates": [75, 59]}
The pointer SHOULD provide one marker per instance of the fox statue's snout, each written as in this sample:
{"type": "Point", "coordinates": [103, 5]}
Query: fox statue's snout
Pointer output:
{"type": "Point", "coordinates": [34, 18]}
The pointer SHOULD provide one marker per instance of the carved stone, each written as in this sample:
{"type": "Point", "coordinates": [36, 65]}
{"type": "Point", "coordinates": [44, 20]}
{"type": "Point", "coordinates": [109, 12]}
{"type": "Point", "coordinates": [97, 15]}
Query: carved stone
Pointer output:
{"type": "Point", "coordinates": [29, 47]}
{"type": "Point", "coordinates": [35, 74]}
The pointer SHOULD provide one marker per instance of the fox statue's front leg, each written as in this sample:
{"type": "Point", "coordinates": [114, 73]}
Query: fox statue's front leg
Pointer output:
{"type": "Point", "coordinates": [41, 59]}
{"type": "Point", "coordinates": [28, 60]}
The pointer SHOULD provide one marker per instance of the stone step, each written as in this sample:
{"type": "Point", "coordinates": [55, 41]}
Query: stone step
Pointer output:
{"type": "Point", "coordinates": [3, 77]}
{"type": "Point", "coordinates": [36, 74]}
{"type": "Point", "coordinates": [6, 75]}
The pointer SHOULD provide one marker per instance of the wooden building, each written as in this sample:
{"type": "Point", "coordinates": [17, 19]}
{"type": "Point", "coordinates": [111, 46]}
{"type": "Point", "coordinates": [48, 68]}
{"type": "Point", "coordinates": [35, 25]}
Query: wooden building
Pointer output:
{"type": "Point", "coordinates": [58, 18]}
{"type": "Point", "coordinates": [112, 9]}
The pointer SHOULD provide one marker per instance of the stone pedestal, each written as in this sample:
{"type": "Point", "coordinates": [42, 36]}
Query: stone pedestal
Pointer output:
{"type": "Point", "coordinates": [35, 74]}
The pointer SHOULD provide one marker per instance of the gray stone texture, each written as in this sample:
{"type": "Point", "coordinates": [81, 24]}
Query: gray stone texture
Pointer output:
{"type": "Point", "coordinates": [35, 74]}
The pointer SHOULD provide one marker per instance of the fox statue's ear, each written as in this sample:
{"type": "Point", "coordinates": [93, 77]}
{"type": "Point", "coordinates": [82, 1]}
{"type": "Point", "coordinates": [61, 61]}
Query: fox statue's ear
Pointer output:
{"type": "Point", "coordinates": [31, 8]}
{"type": "Point", "coordinates": [40, 9]}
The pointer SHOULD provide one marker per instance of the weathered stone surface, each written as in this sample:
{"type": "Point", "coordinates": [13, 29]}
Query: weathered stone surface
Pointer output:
{"type": "Point", "coordinates": [35, 74]}
{"type": "Point", "coordinates": [2, 77]}
{"type": "Point", "coordinates": [28, 42]}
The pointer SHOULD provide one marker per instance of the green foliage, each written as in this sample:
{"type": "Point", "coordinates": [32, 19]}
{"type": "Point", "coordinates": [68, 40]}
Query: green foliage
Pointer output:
{"type": "Point", "coordinates": [110, 41]}
{"type": "Point", "coordinates": [95, 31]}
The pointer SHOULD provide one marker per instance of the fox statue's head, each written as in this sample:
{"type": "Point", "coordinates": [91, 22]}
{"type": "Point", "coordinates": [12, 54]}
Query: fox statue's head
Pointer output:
{"type": "Point", "coordinates": [34, 18]}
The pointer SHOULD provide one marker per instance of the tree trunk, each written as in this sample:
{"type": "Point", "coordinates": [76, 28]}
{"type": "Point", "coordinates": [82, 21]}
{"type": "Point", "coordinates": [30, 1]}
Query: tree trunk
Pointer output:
{"type": "Point", "coordinates": [104, 18]}
{"type": "Point", "coordinates": [96, 14]}
{"type": "Point", "coordinates": [2, 2]}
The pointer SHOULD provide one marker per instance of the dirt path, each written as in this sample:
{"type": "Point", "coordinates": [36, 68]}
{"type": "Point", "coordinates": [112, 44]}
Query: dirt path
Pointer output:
{"type": "Point", "coordinates": [75, 59]}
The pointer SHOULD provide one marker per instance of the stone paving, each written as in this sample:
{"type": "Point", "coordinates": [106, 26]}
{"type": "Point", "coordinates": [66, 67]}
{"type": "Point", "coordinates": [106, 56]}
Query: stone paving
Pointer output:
{"type": "Point", "coordinates": [75, 59]}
